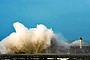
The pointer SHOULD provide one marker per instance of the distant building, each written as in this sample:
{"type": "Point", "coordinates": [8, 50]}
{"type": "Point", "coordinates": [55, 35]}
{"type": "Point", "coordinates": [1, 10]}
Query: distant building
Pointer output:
{"type": "Point", "coordinates": [77, 49]}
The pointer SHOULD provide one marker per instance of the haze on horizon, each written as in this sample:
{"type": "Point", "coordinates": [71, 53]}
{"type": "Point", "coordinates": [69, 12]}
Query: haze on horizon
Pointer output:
{"type": "Point", "coordinates": [66, 17]}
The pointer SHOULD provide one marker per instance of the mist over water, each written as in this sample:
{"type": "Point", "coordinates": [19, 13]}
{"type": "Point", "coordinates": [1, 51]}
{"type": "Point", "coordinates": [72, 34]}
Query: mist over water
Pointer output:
{"type": "Point", "coordinates": [32, 40]}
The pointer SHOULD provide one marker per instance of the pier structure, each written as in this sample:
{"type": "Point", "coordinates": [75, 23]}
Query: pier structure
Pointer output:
{"type": "Point", "coordinates": [44, 56]}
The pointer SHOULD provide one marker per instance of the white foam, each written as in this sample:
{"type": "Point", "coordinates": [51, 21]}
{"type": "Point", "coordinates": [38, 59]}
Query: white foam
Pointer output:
{"type": "Point", "coordinates": [32, 40]}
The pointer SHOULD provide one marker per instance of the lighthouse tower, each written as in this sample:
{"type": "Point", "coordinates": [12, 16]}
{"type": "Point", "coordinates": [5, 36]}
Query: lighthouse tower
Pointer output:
{"type": "Point", "coordinates": [81, 42]}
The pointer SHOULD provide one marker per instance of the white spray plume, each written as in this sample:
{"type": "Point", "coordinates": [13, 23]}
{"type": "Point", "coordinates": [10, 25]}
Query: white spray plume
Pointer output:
{"type": "Point", "coordinates": [76, 43]}
{"type": "Point", "coordinates": [33, 40]}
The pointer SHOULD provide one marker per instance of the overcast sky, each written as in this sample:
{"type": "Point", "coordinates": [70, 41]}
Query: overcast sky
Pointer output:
{"type": "Point", "coordinates": [71, 18]}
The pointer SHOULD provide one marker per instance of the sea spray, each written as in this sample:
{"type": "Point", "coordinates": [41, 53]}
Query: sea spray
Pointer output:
{"type": "Point", "coordinates": [33, 40]}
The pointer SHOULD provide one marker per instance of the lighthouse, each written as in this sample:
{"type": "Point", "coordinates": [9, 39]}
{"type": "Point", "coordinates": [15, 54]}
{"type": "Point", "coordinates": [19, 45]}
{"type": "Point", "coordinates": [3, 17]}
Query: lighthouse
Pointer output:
{"type": "Point", "coordinates": [81, 42]}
